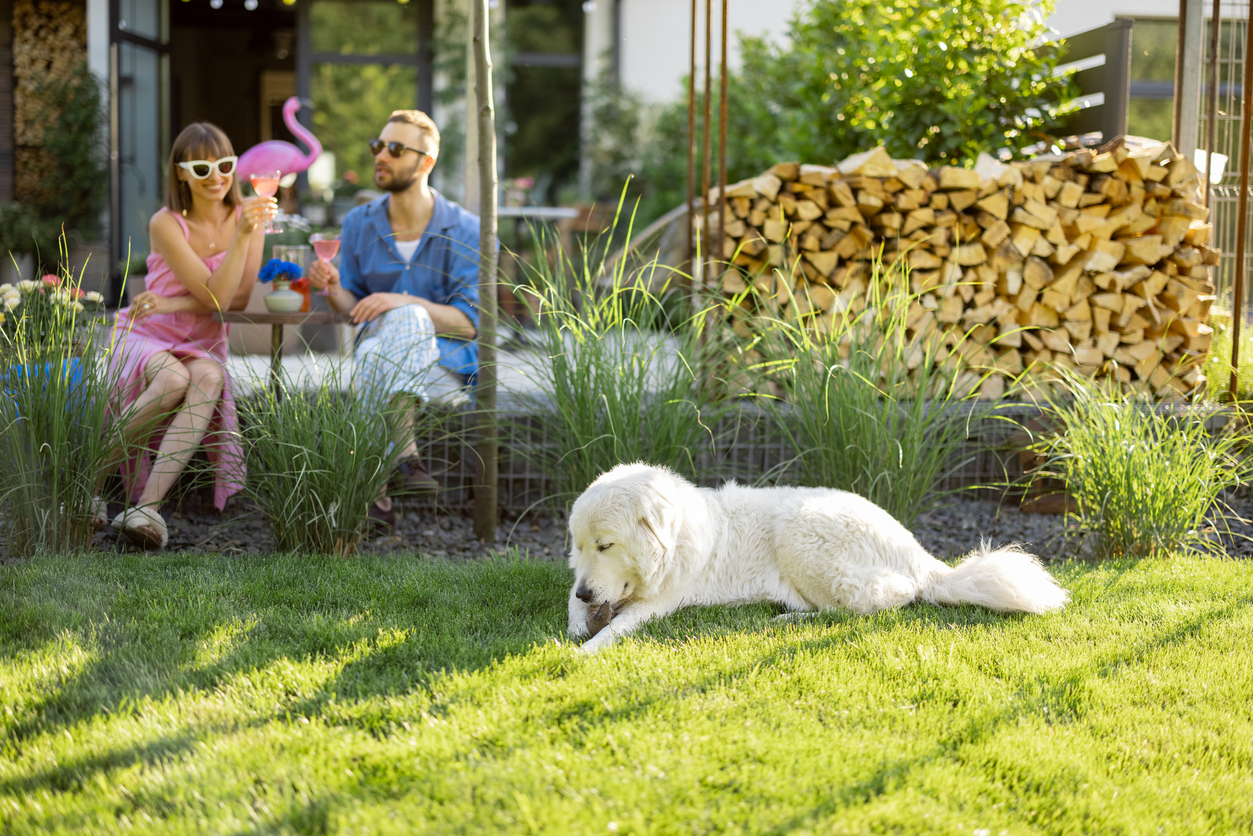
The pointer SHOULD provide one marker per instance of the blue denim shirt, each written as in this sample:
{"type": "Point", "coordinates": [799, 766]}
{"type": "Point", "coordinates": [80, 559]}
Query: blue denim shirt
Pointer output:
{"type": "Point", "coordinates": [444, 270]}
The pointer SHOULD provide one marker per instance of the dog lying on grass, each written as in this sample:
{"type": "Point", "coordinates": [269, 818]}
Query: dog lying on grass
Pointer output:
{"type": "Point", "coordinates": [646, 542]}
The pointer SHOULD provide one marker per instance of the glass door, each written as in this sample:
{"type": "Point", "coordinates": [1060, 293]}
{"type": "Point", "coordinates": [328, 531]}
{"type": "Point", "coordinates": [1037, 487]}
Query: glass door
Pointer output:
{"type": "Point", "coordinates": [139, 137]}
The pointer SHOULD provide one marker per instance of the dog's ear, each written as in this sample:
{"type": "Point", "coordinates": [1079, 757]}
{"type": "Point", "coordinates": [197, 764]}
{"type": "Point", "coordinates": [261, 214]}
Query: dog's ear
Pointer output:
{"type": "Point", "coordinates": [659, 523]}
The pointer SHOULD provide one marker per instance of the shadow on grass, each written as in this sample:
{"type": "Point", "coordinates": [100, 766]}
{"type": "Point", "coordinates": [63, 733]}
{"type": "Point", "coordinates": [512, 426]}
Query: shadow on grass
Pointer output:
{"type": "Point", "coordinates": [166, 625]}
{"type": "Point", "coordinates": [160, 625]}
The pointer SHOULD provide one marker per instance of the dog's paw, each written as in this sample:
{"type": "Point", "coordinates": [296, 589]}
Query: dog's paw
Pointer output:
{"type": "Point", "coordinates": [597, 643]}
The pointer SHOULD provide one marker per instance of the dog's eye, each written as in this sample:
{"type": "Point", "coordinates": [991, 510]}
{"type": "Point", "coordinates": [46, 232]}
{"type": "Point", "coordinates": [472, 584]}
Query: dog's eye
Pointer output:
{"type": "Point", "coordinates": [600, 547]}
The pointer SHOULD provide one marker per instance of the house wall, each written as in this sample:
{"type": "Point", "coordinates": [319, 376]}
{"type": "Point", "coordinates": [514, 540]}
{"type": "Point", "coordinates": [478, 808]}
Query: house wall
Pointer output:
{"type": "Point", "coordinates": [654, 42]}
{"type": "Point", "coordinates": [1074, 16]}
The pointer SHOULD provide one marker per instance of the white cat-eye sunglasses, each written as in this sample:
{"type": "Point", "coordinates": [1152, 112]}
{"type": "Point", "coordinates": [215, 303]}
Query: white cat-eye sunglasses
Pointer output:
{"type": "Point", "coordinates": [200, 169]}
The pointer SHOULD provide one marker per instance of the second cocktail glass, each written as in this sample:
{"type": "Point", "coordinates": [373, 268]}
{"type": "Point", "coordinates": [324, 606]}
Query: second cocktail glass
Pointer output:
{"type": "Point", "coordinates": [326, 245]}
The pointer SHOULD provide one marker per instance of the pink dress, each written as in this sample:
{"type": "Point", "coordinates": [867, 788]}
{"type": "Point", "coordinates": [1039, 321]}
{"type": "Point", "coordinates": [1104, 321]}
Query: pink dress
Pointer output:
{"type": "Point", "coordinates": [185, 335]}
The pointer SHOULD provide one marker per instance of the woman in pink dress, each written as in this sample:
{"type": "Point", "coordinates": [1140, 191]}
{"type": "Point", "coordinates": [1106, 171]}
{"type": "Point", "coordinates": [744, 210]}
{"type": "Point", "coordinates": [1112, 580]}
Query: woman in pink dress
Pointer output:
{"type": "Point", "coordinates": [169, 351]}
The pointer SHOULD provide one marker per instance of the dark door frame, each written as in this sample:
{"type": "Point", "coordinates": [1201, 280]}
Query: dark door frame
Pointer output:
{"type": "Point", "coordinates": [118, 36]}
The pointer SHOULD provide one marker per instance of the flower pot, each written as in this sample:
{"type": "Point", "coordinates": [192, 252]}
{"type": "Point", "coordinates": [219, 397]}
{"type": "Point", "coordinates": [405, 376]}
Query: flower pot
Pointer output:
{"type": "Point", "coordinates": [282, 299]}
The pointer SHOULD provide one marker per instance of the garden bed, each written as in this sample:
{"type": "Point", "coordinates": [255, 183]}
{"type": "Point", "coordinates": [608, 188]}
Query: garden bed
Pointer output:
{"type": "Point", "coordinates": [441, 532]}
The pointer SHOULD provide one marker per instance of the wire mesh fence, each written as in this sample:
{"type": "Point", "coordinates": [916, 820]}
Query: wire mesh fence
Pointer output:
{"type": "Point", "coordinates": [1226, 79]}
{"type": "Point", "coordinates": [747, 446]}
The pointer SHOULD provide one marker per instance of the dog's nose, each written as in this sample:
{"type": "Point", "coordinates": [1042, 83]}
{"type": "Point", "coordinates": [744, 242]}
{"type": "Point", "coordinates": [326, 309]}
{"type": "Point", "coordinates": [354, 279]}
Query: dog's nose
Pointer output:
{"type": "Point", "coordinates": [583, 594]}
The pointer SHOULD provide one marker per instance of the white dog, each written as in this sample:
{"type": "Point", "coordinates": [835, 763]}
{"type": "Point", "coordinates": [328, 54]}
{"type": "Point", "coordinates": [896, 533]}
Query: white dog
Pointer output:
{"type": "Point", "coordinates": [646, 542]}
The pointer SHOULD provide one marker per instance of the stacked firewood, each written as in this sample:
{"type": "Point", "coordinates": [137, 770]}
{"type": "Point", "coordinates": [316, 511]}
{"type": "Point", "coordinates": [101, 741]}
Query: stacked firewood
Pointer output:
{"type": "Point", "coordinates": [1094, 260]}
{"type": "Point", "coordinates": [49, 43]}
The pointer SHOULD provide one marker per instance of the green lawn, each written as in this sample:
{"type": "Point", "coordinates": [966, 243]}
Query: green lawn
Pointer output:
{"type": "Point", "coordinates": [203, 694]}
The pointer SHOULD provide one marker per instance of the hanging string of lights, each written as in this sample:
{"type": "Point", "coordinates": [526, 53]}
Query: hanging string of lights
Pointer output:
{"type": "Point", "coordinates": [251, 5]}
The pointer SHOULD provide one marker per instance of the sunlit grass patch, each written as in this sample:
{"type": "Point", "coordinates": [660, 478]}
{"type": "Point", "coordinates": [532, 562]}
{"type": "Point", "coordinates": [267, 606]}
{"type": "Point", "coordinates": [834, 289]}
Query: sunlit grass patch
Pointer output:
{"type": "Point", "coordinates": [207, 694]}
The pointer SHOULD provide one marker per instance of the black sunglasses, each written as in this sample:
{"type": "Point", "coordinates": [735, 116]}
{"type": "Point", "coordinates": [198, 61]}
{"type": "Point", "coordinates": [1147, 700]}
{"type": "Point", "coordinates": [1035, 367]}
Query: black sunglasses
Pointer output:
{"type": "Point", "coordinates": [396, 149]}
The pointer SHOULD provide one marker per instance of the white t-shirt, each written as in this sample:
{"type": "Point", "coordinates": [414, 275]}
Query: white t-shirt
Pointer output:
{"type": "Point", "coordinates": [408, 248]}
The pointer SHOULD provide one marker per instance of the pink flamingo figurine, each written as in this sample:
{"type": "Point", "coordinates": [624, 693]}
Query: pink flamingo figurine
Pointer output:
{"type": "Point", "coordinates": [277, 155]}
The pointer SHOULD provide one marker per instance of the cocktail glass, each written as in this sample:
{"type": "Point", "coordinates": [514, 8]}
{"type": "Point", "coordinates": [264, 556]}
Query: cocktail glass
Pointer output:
{"type": "Point", "coordinates": [326, 245]}
{"type": "Point", "coordinates": [266, 184]}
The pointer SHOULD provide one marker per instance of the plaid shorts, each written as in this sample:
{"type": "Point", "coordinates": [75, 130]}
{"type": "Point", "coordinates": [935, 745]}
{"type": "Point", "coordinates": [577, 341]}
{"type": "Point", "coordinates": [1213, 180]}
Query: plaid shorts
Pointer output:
{"type": "Point", "coordinates": [397, 353]}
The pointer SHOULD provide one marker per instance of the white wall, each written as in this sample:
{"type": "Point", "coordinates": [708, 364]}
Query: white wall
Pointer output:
{"type": "Point", "coordinates": [1074, 16]}
{"type": "Point", "coordinates": [655, 38]}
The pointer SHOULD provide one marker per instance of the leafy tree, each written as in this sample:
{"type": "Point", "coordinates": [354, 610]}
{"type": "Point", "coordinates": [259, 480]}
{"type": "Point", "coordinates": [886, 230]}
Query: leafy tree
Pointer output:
{"type": "Point", "coordinates": [940, 82]}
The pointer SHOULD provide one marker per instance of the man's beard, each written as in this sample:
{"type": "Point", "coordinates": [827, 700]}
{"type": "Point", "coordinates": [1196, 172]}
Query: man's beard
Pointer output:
{"type": "Point", "coordinates": [399, 183]}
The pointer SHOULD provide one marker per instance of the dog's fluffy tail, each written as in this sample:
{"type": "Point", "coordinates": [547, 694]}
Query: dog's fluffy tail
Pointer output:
{"type": "Point", "coordinates": [1006, 580]}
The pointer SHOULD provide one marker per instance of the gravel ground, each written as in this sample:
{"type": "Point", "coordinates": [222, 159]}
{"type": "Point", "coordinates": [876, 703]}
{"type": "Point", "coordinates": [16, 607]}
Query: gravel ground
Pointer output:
{"type": "Point", "coordinates": [949, 532]}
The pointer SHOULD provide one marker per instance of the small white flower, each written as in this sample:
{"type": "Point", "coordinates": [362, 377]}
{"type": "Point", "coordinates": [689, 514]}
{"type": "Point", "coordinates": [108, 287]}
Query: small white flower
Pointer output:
{"type": "Point", "coordinates": [93, 296]}
{"type": "Point", "coordinates": [11, 302]}
{"type": "Point", "coordinates": [77, 307]}
{"type": "Point", "coordinates": [27, 285]}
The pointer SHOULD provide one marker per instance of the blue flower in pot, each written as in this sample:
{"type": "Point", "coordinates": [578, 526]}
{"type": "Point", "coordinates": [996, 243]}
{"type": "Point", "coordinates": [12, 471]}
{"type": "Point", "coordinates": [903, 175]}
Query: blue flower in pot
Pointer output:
{"type": "Point", "coordinates": [282, 299]}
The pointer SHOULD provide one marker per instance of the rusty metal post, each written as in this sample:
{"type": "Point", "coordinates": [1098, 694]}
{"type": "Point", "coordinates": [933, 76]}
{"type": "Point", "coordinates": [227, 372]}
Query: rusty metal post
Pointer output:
{"type": "Point", "coordinates": [1176, 128]}
{"type": "Point", "coordinates": [1211, 110]}
{"type": "Point", "coordinates": [487, 443]}
{"type": "Point", "coordinates": [691, 146]}
{"type": "Point", "coordinates": [1242, 221]}
{"type": "Point", "coordinates": [719, 251]}
{"type": "Point", "coordinates": [706, 161]}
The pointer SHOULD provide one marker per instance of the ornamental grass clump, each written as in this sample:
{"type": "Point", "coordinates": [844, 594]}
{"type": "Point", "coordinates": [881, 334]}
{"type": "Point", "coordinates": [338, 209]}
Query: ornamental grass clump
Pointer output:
{"type": "Point", "coordinates": [1147, 479]}
{"type": "Point", "coordinates": [55, 421]}
{"type": "Point", "coordinates": [617, 373]}
{"type": "Point", "coordinates": [865, 408]}
{"type": "Point", "coordinates": [318, 457]}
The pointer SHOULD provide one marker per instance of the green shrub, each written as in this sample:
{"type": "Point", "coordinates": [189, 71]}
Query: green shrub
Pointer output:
{"type": "Point", "coordinates": [868, 410]}
{"type": "Point", "coordinates": [1146, 477]}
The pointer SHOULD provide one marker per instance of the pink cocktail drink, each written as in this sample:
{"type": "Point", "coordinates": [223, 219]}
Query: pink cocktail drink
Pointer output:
{"type": "Point", "coordinates": [266, 185]}
{"type": "Point", "coordinates": [326, 245]}
{"type": "Point", "coordinates": [325, 249]}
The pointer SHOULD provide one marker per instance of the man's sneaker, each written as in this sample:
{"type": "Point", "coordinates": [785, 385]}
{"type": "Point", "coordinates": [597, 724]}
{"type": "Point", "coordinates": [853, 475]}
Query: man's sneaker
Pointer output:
{"type": "Point", "coordinates": [378, 518]}
{"type": "Point", "coordinates": [412, 478]}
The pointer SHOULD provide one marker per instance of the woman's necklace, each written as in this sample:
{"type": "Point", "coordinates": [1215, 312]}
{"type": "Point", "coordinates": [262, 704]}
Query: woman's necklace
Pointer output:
{"type": "Point", "coordinates": [217, 227]}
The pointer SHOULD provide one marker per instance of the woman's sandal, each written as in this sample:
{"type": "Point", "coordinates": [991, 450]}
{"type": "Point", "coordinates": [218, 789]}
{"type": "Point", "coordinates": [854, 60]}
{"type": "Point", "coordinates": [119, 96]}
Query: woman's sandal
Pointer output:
{"type": "Point", "coordinates": [99, 512]}
{"type": "Point", "coordinates": [143, 526]}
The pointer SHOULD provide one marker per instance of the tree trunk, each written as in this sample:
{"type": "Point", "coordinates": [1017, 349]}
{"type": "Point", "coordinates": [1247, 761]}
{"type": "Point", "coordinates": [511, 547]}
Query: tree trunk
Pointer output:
{"type": "Point", "coordinates": [485, 499]}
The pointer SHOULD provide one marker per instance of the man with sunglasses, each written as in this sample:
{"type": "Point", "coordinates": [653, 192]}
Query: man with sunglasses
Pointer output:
{"type": "Point", "coordinates": [408, 274]}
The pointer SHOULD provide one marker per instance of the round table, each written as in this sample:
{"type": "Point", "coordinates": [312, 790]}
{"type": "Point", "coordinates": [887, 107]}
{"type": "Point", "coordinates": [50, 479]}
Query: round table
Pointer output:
{"type": "Point", "coordinates": [277, 321]}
